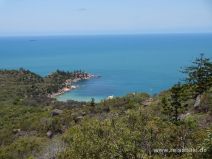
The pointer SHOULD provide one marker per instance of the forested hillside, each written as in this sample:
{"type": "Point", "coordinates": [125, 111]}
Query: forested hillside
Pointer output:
{"type": "Point", "coordinates": [176, 123]}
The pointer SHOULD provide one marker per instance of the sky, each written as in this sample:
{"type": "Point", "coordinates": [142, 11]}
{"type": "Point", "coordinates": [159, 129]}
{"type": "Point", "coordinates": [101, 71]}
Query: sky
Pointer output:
{"type": "Point", "coordinates": [64, 17]}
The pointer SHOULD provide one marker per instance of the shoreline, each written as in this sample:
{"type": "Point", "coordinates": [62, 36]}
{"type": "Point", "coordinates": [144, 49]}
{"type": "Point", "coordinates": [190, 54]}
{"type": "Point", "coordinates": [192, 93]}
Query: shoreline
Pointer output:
{"type": "Point", "coordinates": [69, 85]}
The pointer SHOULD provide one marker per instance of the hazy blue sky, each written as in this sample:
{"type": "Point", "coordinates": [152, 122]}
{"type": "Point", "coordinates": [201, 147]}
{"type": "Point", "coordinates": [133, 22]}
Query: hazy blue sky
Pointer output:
{"type": "Point", "coordinates": [36, 17]}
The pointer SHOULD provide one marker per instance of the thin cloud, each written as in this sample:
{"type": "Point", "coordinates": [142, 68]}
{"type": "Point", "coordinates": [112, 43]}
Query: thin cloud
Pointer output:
{"type": "Point", "coordinates": [82, 9]}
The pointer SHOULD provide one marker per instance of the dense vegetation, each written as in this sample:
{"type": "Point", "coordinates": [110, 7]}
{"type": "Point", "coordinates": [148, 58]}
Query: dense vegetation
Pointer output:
{"type": "Point", "coordinates": [131, 127]}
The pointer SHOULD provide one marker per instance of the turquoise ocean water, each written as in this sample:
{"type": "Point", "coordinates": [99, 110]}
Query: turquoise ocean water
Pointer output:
{"type": "Point", "coordinates": [126, 63]}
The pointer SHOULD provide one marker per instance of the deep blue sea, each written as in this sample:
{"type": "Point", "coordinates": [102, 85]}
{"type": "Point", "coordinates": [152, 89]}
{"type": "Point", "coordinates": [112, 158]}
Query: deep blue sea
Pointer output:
{"type": "Point", "coordinates": [126, 63]}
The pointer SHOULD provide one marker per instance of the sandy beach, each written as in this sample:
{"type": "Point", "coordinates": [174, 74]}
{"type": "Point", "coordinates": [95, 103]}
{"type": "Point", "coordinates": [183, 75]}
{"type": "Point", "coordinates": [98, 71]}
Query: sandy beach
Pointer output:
{"type": "Point", "coordinates": [70, 85]}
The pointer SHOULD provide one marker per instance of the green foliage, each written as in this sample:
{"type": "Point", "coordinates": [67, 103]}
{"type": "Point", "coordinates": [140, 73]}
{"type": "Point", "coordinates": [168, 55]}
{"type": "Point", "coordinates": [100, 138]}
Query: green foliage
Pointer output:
{"type": "Point", "coordinates": [191, 122]}
{"type": "Point", "coordinates": [92, 102]}
{"type": "Point", "coordinates": [21, 148]}
{"type": "Point", "coordinates": [200, 75]}
{"type": "Point", "coordinates": [174, 107]}
{"type": "Point", "coordinates": [207, 145]}
{"type": "Point", "coordinates": [166, 106]}
{"type": "Point", "coordinates": [27, 87]}
{"type": "Point", "coordinates": [134, 134]}
{"type": "Point", "coordinates": [176, 102]}
{"type": "Point", "coordinates": [106, 139]}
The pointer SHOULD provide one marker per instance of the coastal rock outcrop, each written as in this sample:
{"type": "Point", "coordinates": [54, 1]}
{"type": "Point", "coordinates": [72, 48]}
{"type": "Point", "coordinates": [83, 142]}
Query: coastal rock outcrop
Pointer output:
{"type": "Point", "coordinates": [183, 116]}
{"type": "Point", "coordinates": [147, 102]}
{"type": "Point", "coordinates": [78, 119]}
{"type": "Point", "coordinates": [56, 112]}
{"type": "Point", "coordinates": [49, 134]}
{"type": "Point", "coordinates": [198, 101]}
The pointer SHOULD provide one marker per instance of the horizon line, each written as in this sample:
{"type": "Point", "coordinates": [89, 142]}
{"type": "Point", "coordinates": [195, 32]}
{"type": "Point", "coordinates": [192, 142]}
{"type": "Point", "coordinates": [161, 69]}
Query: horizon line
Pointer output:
{"type": "Point", "coordinates": [102, 34]}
